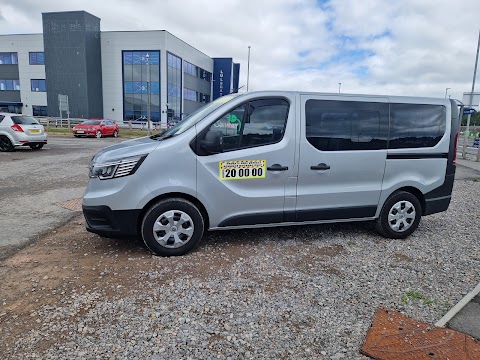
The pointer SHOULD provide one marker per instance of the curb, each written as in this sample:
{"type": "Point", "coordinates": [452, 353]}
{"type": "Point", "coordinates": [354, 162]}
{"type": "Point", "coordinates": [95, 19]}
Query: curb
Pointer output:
{"type": "Point", "coordinates": [459, 306]}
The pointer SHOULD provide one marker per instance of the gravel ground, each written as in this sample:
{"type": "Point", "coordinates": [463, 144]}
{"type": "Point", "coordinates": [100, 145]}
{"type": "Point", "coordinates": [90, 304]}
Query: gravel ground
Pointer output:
{"type": "Point", "coordinates": [300, 292]}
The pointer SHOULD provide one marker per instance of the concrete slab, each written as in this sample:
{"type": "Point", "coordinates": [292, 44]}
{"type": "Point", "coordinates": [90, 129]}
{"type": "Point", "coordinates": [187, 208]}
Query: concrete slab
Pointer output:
{"type": "Point", "coordinates": [467, 320]}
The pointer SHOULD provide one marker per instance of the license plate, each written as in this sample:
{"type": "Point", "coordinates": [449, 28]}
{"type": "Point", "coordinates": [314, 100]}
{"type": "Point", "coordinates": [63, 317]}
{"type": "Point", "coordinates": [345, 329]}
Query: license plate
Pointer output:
{"type": "Point", "coordinates": [80, 132]}
{"type": "Point", "coordinates": [34, 131]}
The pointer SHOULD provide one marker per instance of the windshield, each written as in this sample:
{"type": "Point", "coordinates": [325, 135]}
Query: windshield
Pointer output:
{"type": "Point", "coordinates": [195, 117]}
{"type": "Point", "coordinates": [24, 120]}
{"type": "Point", "coordinates": [91, 122]}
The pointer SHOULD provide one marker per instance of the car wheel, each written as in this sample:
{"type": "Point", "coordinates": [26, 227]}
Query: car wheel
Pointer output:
{"type": "Point", "coordinates": [5, 144]}
{"type": "Point", "coordinates": [36, 146]}
{"type": "Point", "coordinates": [76, 136]}
{"type": "Point", "coordinates": [98, 135]}
{"type": "Point", "coordinates": [172, 227]}
{"type": "Point", "coordinates": [115, 133]}
{"type": "Point", "coordinates": [400, 215]}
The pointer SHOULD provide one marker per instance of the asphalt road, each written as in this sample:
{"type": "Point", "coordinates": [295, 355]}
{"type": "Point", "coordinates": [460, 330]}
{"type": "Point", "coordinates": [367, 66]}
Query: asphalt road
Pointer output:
{"type": "Point", "coordinates": [33, 183]}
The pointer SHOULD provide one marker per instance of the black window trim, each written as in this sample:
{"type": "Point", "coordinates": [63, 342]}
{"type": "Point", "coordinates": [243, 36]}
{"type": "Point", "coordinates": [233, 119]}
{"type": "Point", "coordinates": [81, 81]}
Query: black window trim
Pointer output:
{"type": "Point", "coordinates": [195, 144]}
{"type": "Point", "coordinates": [389, 122]}
{"type": "Point", "coordinates": [386, 124]}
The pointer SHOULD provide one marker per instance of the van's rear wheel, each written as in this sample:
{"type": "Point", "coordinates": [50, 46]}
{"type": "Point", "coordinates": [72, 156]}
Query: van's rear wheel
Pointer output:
{"type": "Point", "coordinates": [400, 215]}
{"type": "Point", "coordinates": [172, 227]}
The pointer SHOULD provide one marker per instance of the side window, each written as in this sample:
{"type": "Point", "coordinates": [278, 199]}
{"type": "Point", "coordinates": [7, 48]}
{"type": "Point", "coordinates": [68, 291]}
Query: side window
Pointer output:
{"type": "Point", "coordinates": [416, 125]}
{"type": "Point", "coordinates": [256, 123]}
{"type": "Point", "coordinates": [346, 125]}
{"type": "Point", "coordinates": [1, 118]}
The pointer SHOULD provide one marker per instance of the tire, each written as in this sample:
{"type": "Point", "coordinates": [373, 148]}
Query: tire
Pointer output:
{"type": "Point", "coordinates": [5, 144]}
{"type": "Point", "coordinates": [76, 136]}
{"type": "Point", "coordinates": [400, 216]}
{"type": "Point", "coordinates": [115, 134]}
{"type": "Point", "coordinates": [98, 135]}
{"type": "Point", "coordinates": [165, 216]}
{"type": "Point", "coordinates": [36, 146]}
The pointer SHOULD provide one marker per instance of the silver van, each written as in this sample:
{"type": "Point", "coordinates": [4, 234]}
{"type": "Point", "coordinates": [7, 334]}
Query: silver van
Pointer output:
{"type": "Point", "coordinates": [276, 158]}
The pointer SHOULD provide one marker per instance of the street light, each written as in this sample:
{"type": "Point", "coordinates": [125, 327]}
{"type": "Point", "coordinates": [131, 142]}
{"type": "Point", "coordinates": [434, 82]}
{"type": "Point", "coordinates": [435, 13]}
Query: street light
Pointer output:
{"type": "Point", "coordinates": [339, 87]}
{"type": "Point", "coordinates": [467, 130]}
{"type": "Point", "coordinates": [248, 67]}
{"type": "Point", "coordinates": [446, 89]}
{"type": "Point", "coordinates": [149, 127]}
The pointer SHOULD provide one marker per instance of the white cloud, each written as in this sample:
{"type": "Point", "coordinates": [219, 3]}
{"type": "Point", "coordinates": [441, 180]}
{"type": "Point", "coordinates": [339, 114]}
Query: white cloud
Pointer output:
{"type": "Point", "coordinates": [372, 46]}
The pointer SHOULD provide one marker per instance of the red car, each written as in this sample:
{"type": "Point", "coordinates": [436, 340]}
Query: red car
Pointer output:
{"type": "Point", "coordinates": [97, 128]}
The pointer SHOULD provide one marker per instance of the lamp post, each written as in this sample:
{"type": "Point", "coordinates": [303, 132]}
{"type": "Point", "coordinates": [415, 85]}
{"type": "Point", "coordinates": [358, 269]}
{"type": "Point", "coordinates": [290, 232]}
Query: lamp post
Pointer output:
{"type": "Point", "coordinates": [467, 130]}
{"type": "Point", "coordinates": [339, 87]}
{"type": "Point", "coordinates": [149, 126]}
{"type": "Point", "coordinates": [446, 90]}
{"type": "Point", "coordinates": [248, 67]}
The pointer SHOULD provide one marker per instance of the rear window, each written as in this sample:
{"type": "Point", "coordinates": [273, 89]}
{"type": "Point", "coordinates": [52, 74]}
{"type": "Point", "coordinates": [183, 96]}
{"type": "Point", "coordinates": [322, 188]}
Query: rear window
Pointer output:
{"type": "Point", "coordinates": [416, 125]}
{"type": "Point", "coordinates": [91, 122]}
{"type": "Point", "coordinates": [24, 120]}
{"type": "Point", "coordinates": [1, 118]}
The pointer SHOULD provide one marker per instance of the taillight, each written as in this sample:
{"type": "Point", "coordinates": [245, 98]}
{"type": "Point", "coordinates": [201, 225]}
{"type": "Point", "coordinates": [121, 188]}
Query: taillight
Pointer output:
{"type": "Point", "coordinates": [455, 150]}
{"type": "Point", "coordinates": [16, 127]}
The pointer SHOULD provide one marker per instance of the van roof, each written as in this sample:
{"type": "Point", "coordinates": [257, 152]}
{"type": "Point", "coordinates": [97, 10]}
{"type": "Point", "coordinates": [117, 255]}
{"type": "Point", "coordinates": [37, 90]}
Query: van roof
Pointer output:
{"type": "Point", "coordinates": [393, 98]}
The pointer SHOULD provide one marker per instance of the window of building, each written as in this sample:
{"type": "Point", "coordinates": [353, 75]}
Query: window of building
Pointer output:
{"type": "Point", "coordinates": [346, 125]}
{"type": "Point", "coordinates": [39, 110]}
{"type": "Point", "coordinates": [11, 85]}
{"type": "Point", "coordinates": [38, 85]}
{"type": "Point", "coordinates": [174, 85]}
{"type": "Point", "coordinates": [141, 69]}
{"type": "Point", "coordinates": [197, 71]}
{"type": "Point", "coordinates": [264, 123]}
{"type": "Point", "coordinates": [416, 125]}
{"type": "Point", "coordinates": [37, 58]}
{"type": "Point", "coordinates": [7, 58]}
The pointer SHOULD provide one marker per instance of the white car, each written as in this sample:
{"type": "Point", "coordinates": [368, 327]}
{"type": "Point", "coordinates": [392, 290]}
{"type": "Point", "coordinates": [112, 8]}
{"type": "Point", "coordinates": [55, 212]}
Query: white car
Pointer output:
{"type": "Point", "coordinates": [21, 130]}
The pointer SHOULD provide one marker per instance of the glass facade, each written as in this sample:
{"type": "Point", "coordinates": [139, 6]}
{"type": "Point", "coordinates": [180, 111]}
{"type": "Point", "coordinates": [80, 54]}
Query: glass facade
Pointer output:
{"type": "Point", "coordinates": [192, 95]}
{"type": "Point", "coordinates": [197, 71]}
{"type": "Point", "coordinates": [38, 85]}
{"type": "Point", "coordinates": [37, 58]}
{"type": "Point", "coordinates": [9, 85]}
{"type": "Point", "coordinates": [7, 58]}
{"type": "Point", "coordinates": [174, 85]}
{"type": "Point", "coordinates": [139, 69]}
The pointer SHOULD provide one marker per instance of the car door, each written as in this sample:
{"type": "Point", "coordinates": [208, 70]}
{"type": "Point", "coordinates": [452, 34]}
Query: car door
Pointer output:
{"type": "Point", "coordinates": [343, 143]}
{"type": "Point", "coordinates": [107, 127]}
{"type": "Point", "coordinates": [245, 160]}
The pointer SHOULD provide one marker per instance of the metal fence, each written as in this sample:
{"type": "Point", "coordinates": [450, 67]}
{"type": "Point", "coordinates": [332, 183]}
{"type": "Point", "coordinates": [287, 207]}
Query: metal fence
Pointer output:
{"type": "Point", "coordinates": [50, 122]}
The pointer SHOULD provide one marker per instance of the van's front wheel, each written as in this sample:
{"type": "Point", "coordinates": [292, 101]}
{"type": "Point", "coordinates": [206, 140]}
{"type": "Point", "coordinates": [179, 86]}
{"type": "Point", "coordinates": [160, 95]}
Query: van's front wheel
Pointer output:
{"type": "Point", "coordinates": [400, 215]}
{"type": "Point", "coordinates": [172, 227]}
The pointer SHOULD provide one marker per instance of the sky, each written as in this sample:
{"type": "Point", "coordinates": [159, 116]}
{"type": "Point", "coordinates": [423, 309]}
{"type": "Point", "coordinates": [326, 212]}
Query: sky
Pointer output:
{"type": "Point", "coordinates": [407, 47]}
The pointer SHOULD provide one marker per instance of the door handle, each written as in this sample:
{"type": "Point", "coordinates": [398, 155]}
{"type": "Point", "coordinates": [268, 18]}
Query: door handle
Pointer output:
{"type": "Point", "coordinates": [277, 167]}
{"type": "Point", "coordinates": [321, 166]}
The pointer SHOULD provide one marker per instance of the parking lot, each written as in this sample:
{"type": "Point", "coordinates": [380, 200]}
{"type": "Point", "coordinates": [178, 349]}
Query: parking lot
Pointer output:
{"type": "Point", "coordinates": [298, 292]}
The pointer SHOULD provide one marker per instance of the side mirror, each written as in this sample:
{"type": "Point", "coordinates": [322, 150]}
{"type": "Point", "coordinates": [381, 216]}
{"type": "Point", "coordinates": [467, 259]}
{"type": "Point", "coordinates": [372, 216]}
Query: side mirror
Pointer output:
{"type": "Point", "coordinates": [213, 142]}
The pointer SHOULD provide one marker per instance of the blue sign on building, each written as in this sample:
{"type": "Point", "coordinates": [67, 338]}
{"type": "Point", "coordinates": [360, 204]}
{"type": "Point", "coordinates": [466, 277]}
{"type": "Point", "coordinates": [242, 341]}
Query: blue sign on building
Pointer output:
{"type": "Point", "coordinates": [222, 76]}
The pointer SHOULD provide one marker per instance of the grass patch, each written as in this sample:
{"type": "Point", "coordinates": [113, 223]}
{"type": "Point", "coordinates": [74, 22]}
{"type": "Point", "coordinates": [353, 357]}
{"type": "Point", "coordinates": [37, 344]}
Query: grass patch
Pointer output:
{"type": "Point", "coordinates": [416, 296]}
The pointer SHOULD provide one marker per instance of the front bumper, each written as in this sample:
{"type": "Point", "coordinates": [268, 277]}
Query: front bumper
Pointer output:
{"type": "Point", "coordinates": [84, 132]}
{"type": "Point", "coordinates": [110, 223]}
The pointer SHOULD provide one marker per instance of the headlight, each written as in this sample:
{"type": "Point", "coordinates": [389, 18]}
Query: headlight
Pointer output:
{"type": "Point", "coordinates": [118, 168]}
{"type": "Point", "coordinates": [91, 129]}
